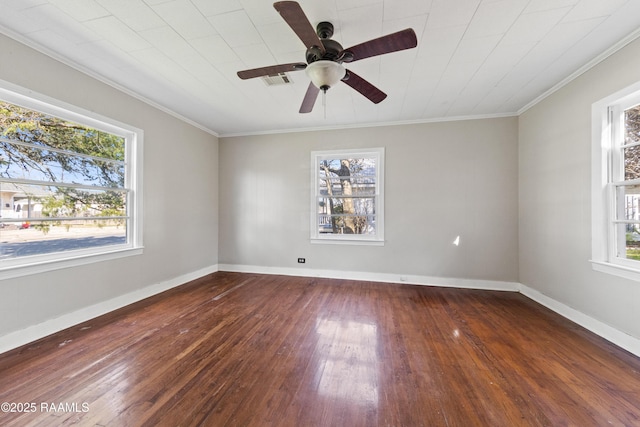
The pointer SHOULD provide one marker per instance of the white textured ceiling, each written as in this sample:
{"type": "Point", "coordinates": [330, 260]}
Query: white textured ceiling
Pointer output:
{"type": "Point", "coordinates": [474, 57]}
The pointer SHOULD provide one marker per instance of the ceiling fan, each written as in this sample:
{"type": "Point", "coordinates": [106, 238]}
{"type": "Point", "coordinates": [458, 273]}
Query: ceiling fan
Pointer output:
{"type": "Point", "coordinates": [325, 56]}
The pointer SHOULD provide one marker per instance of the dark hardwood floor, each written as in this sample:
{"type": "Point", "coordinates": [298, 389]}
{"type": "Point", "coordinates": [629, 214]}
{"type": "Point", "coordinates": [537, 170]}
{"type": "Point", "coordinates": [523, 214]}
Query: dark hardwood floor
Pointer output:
{"type": "Point", "coordinates": [236, 349]}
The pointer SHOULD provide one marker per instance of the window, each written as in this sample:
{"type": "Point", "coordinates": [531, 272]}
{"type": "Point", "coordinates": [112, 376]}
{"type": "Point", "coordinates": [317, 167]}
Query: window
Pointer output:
{"type": "Point", "coordinates": [616, 184]}
{"type": "Point", "coordinates": [347, 204]}
{"type": "Point", "coordinates": [69, 186]}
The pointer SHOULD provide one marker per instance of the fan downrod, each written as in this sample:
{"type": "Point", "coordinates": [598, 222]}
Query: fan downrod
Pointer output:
{"type": "Point", "coordinates": [324, 30]}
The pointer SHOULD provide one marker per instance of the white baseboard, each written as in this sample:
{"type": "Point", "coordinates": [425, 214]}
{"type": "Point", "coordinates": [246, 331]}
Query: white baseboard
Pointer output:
{"type": "Point", "coordinates": [32, 333]}
{"type": "Point", "coordinates": [493, 285]}
{"type": "Point", "coordinates": [605, 331]}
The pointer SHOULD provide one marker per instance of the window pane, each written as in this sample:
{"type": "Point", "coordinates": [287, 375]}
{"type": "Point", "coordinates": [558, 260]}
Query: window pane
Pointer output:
{"type": "Point", "coordinates": [27, 238]}
{"type": "Point", "coordinates": [23, 201]}
{"type": "Point", "coordinates": [628, 241]}
{"type": "Point", "coordinates": [631, 162]}
{"type": "Point", "coordinates": [340, 224]}
{"type": "Point", "coordinates": [79, 219]}
{"type": "Point", "coordinates": [632, 136]}
{"type": "Point", "coordinates": [628, 233]}
{"type": "Point", "coordinates": [632, 125]}
{"type": "Point", "coordinates": [44, 130]}
{"type": "Point", "coordinates": [347, 205]}
{"type": "Point", "coordinates": [346, 215]}
{"type": "Point", "coordinates": [37, 220]}
{"type": "Point", "coordinates": [628, 202]}
{"type": "Point", "coordinates": [38, 146]}
{"type": "Point", "coordinates": [42, 165]}
{"type": "Point", "coordinates": [363, 186]}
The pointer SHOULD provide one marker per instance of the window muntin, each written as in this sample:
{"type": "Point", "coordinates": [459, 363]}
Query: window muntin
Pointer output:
{"type": "Point", "coordinates": [347, 202]}
{"type": "Point", "coordinates": [67, 184]}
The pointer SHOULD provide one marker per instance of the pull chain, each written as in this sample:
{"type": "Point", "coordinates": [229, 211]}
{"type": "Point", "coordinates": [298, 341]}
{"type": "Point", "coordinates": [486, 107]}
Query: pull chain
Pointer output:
{"type": "Point", "coordinates": [324, 102]}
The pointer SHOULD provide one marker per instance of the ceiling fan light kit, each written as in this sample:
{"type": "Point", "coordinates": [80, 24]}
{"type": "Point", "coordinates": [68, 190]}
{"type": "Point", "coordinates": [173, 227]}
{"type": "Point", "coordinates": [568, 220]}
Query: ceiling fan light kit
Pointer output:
{"type": "Point", "coordinates": [325, 74]}
{"type": "Point", "coordinates": [324, 57]}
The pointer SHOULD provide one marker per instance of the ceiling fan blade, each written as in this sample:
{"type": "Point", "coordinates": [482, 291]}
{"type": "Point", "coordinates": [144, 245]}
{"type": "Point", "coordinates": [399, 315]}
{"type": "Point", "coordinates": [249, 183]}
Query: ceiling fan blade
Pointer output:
{"type": "Point", "coordinates": [293, 15]}
{"type": "Point", "coordinates": [371, 92]}
{"type": "Point", "coordinates": [309, 98]}
{"type": "Point", "coordinates": [405, 39]}
{"type": "Point", "coordinates": [271, 70]}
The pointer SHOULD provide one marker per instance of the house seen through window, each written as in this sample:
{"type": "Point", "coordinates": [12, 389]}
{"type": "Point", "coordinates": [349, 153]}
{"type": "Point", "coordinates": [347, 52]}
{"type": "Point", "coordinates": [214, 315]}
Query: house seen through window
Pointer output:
{"type": "Point", "coordinates": [66, 186]}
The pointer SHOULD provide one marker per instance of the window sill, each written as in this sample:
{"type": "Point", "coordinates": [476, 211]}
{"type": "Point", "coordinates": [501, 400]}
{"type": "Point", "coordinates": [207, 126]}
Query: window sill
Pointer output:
{"type": "Point", "coordinates": [329, 241]}
{"type": "Point", "coordinates": [72, 260]}
{"type": "Point", "coordinates": [616, 270]}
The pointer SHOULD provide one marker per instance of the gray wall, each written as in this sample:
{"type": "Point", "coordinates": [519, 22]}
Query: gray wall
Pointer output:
{"type": "Point", "coordinates": [180, 198]}
{"type": "Point", "coordinates": [442, 180]}
{"type": "Point", "coordinates": [555, 197]}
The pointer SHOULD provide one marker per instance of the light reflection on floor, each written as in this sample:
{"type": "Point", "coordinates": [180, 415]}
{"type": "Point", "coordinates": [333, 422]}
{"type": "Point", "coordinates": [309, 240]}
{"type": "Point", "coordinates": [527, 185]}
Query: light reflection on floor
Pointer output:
{"type": "Point", "coordinates": [348, 365]}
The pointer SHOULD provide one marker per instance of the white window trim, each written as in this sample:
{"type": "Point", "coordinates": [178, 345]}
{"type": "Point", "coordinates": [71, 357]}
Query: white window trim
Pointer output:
{"type": "Point", "coordinates": [349, 239]}
{"type": "Point", "coordinates": [603, 257]}
{"type": "Point", "coordinates": [15, 94]}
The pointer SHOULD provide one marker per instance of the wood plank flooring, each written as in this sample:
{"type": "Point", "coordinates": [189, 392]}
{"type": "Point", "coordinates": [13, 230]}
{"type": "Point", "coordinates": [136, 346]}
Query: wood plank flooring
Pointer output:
{"type": "Point", "coordinates": [237, 349]}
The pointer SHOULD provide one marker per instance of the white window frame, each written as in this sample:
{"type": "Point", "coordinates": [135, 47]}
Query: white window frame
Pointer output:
{"type": "Point", "coordinates": [355, 239]}
{"type": "Point", "coordinates": [607, 174]}
{"type": "Point", "coordinates": [22, 266]}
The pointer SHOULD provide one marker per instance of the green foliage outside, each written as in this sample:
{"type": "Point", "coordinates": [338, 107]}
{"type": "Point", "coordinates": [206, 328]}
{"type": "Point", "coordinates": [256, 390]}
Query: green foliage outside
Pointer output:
{"type": "Point", "coordinates": [45, 134]}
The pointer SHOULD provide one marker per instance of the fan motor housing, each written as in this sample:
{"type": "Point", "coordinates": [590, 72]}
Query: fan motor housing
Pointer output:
{"type": "Point", "coordinates": [332, 49]}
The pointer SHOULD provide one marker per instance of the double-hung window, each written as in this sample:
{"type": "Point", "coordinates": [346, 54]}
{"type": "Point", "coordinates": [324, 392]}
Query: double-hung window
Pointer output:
{"type": "Point", "coordinates": [616, 184]}
{"type": "Point", "coordinates": [347, 204]}
{"type": "Point", "coordinates": [69, 186]}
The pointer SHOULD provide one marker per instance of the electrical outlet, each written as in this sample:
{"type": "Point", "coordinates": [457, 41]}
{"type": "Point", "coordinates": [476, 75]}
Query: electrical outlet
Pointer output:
{"type": "Point", "coordinates": [301, 260]}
